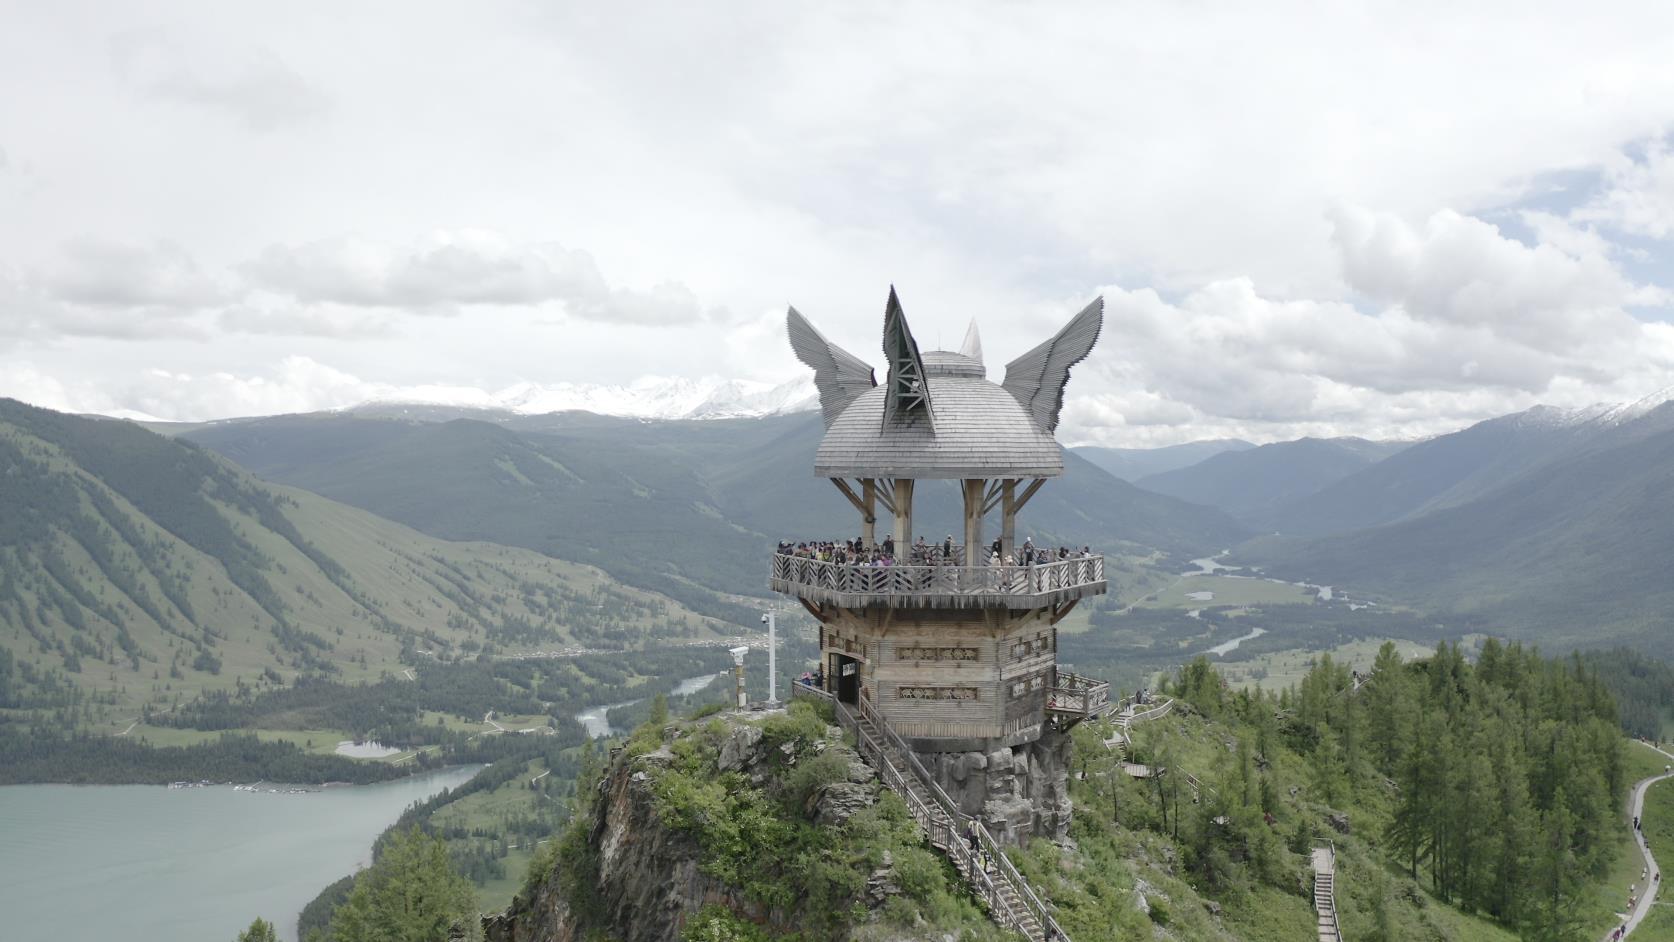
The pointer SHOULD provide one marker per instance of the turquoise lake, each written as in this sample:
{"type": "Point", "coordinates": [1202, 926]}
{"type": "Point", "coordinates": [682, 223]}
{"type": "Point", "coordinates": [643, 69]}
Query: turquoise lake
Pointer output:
{"type": "Point", "coordinates": [144, 863]}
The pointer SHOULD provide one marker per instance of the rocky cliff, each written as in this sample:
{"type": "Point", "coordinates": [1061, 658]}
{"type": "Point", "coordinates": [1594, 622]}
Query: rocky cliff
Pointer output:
{"type": "Point", "coordinates": [759, 825]}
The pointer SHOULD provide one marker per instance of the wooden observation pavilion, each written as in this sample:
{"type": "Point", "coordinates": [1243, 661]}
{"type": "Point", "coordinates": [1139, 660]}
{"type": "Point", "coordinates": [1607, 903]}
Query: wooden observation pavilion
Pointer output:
{"type": "Point", "coordinates": [954, 648]}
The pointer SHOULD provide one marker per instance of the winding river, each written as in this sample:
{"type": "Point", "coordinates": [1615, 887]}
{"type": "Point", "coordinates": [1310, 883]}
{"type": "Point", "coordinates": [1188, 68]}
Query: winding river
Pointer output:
{"type": "Point", "coordinates": [596, 720]}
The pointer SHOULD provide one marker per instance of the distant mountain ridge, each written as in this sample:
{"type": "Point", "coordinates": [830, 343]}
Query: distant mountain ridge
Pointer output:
{"type": "Point", "coordinates": [1548, 523]}
{"type": "Point", "coordinates": [687, 508]}
{"type": "Point", "coordinates": [1450, 470]}
{"type": "Point", "coordinates": [1249, 483]}
{"type": "Point", "coordinates": [1131, 464]}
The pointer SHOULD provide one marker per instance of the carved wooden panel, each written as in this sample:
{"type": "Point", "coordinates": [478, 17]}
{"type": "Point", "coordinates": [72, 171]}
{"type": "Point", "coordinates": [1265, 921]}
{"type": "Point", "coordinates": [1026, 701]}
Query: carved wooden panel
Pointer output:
{"type": "Point", "coordinates": [927, 653]}
{"type": "Point", "coordinates": [935, 693]}
{"type": "Point", "coordinates": [1024, 648]}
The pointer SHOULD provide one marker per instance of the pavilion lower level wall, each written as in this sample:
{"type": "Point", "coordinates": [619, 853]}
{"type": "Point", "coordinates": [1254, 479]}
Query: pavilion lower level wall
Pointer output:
{"type": "Point", "coordinates": [967, 690]}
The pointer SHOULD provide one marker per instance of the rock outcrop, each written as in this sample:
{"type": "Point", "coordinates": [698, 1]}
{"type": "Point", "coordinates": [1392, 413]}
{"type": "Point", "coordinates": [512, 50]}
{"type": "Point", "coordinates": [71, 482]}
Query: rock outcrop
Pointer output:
{"type": "Point", "coordinates": [1019, 791]}
{"type": "Point", "coordinates": [647, 878]}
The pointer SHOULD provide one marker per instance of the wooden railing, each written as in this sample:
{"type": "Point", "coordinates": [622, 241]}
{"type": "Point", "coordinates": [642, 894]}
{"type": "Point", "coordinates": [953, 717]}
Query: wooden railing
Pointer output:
{"type": "Point", "coordinates": [1152, 713]}
{"type": "Point", "coordinates": [942, 821]}
{"type": "Point", "coordinates": [1078, 695]}
{"type": "Point", "coordinates": [793, 572]}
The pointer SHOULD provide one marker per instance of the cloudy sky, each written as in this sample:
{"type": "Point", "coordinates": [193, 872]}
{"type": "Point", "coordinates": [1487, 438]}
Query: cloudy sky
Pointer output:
{"type": "Point", "coordinates": [1386, 221]}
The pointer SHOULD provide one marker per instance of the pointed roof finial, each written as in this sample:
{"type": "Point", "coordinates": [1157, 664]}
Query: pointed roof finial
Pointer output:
{"type": "Point", "coordinates": [972, 347]}
{"type": "Point", "coordinates": [908, 393]}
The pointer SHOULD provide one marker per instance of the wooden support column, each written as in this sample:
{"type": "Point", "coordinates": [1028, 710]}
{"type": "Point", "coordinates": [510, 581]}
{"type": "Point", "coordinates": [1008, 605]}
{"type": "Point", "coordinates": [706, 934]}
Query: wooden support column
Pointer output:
{"type": "Point", "coordinates": [1008, 517]}
{"type": "Point", "coordinates": [869, 515]}
{"type": "Point", "coordinates": [903, 515]}
{"type": "Point", "coordinates": [973, 520]}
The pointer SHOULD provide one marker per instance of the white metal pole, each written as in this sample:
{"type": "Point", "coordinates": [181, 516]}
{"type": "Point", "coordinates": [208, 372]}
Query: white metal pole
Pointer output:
{"type": "Point", "coordinates": [772, 658]}
{"type": "Point", "coordinates": [738, 676]}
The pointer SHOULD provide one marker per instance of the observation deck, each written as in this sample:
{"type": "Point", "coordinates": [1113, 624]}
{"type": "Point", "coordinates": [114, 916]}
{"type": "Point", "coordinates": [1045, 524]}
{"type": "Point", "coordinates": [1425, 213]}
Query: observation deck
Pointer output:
{"type": "Point", "coordinates": [859, 585]}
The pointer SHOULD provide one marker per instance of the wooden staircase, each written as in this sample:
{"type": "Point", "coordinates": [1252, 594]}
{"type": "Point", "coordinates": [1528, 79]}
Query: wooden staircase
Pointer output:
{"type": "Point", "coordinates": [1325, 891]}
{"type": "Point", "coordinates": [1011, 902]}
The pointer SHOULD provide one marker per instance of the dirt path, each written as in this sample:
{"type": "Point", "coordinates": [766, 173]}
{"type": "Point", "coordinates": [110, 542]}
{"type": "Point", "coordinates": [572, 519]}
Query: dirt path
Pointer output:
{"type": "Point", "coordinates": [1649, 887]}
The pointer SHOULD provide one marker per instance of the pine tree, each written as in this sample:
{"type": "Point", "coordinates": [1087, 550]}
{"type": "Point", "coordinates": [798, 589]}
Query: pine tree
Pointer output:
{"type": "Point", "coordinates": [411, 894]}
{"type": "Point", "coordinates": [260, 931]}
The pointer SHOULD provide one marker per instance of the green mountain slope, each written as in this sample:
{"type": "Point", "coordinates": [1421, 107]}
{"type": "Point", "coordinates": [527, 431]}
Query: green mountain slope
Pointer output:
{"type": "Point", "coordinates": [1573, 552]}
{"type": "Point", "coordinates": [1250, 483]}
{"type": "Point", "coordinates": [136, 569]}
{"type": "Point", "coordinates": [686, 508]}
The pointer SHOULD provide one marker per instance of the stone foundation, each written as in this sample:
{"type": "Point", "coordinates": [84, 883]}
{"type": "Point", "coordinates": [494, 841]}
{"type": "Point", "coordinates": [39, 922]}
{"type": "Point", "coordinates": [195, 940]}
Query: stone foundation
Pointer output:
{"type": "Point", "coordinates": [1019, 791]}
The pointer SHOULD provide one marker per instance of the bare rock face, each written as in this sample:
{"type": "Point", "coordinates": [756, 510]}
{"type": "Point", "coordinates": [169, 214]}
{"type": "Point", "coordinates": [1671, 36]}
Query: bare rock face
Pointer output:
{"type": "Point", "coordinates": [648, 880]}
{"type": "Point", "coordinates": [1019, 792]}
{"type": "Point", "coordinates": [738, 751]}
{"type": "Point", "coordinates": [837, 802]}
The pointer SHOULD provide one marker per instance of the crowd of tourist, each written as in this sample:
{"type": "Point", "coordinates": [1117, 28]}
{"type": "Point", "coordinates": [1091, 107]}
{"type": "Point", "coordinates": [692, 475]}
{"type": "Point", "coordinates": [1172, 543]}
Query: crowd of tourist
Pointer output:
{"type": "Point", "coordinates": [857, 552]}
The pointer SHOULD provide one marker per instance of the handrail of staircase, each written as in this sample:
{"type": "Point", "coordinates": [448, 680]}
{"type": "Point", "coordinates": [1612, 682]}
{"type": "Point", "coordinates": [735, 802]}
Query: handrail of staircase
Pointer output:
{"type": "Point", "coordinates": [939, 831]}
{"type": "Point", "coordinates": [944, 829]}
{"type": "Point", "coordinates": [1024, 891]}
{"type": "Point", "coordinates": [937, 823]}
{"type": "Point", "coordinates": [1329, 845]}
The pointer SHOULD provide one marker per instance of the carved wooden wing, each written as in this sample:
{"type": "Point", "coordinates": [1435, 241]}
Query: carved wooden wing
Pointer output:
{"type": "Point", "coordinates": [839, 375]}
{"type": "Point", "coordinates": [1037, 378]}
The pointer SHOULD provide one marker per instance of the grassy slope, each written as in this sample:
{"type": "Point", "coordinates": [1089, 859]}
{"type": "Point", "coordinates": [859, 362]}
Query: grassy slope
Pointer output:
{"type": "Point", "coordinates": [360, 584]}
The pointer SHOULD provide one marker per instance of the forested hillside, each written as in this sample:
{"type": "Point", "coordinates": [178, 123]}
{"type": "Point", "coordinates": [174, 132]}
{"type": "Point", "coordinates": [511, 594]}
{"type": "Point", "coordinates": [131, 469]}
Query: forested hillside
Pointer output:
{"type": "Point", "coordinates": [137, 571]}
{"type": "Point", "coordinates": [1493, 788]}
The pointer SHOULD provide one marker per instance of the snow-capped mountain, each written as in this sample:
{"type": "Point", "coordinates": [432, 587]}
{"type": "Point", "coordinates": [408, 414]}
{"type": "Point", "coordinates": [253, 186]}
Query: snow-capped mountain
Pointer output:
{"type": "Point", "coordinates": [649, 397]}
{"type": "Point", "coordinates": [1629, 411]}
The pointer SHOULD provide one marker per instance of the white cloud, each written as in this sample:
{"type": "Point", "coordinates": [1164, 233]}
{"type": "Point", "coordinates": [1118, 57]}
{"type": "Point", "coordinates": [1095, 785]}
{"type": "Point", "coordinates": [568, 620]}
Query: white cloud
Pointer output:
{"type": "Point", "coordinates": [449, 269]}
{"type": "Point", "coordinates": [105, 273]}
{"type": "Point", "coordinates": [1457, 269]}
{"type": "Point", "coordinates": [251, 84]}
{"type": "Point", "coordinates": [997, 164]}
{"type": "Point", "coordinates": [1638, 196]}
{"type": "Point", "coordinates": [1465, 323]}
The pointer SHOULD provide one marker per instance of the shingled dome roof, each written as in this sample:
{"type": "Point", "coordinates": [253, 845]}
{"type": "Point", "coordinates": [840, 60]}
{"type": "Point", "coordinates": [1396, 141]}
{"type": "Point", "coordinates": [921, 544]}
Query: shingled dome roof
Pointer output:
{"type": "Point", "coordinates": [937, 415]}
{"type": "Point", "coordinates": [980, 431]}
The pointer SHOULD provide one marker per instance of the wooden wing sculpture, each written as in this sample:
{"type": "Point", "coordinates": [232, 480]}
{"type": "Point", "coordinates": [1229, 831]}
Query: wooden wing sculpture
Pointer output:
{"type": "Point", "coordinates": [1037, 378]}
{"type": "Point", "coordinates": [839, 375]}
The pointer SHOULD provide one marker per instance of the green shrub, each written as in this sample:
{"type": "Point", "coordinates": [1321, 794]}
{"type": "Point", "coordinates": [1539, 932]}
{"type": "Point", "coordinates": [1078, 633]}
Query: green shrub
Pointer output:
{"type": "Point", "coordinates": [717, 924]}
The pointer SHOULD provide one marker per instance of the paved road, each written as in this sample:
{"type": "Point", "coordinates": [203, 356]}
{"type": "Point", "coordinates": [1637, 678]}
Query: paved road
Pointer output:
{"type": "Point", "coordinates": [1648, 889]}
